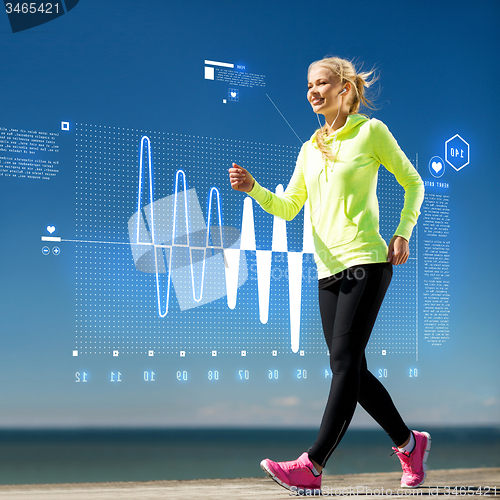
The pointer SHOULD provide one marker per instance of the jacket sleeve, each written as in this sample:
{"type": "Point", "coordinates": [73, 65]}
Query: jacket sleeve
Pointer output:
{"type": "Point", "coordinates": [288, 205]}
{"type": "Point", "coordinates": [389, 154]}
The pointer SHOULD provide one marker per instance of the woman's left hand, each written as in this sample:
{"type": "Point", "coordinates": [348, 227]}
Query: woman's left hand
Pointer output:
{"type": "Point", "coordinates": [399, 251]}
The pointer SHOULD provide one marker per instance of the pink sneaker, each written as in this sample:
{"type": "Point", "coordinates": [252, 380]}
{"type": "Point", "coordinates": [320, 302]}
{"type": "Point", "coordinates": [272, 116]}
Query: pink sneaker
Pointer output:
{"type": "Point", "coordinates": [414, 470]}
{"type": "Point", "coordinates": [295, 475]}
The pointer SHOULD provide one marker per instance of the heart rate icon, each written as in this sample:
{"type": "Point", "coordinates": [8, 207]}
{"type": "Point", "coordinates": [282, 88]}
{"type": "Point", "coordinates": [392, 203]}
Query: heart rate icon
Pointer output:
{"type": "Point", "coordinates": [437, 166]}
{"type": "Point", "coordinates": [51, 229]}
{"type": "Point", "coordinates": [233, 94]}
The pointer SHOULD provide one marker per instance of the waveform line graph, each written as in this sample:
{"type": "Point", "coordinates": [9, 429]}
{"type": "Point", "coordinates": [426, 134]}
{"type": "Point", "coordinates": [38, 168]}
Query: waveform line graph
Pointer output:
{"type": "Point", "coordinates": [170, 239]}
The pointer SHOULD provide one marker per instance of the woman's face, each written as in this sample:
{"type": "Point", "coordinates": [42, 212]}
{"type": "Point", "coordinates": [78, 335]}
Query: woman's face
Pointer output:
{"type": "Point", "coordinates": [323, 91]}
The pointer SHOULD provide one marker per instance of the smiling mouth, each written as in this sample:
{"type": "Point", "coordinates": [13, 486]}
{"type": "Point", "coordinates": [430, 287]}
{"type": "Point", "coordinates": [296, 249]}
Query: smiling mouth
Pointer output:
{"type": "Point", "coordinates": [317, 100]}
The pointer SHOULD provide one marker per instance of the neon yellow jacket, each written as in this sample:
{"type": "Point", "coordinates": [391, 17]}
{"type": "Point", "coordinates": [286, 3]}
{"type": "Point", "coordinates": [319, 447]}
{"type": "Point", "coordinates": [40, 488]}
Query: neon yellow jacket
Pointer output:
{"type": "Point", "coordinates": [342, 194]}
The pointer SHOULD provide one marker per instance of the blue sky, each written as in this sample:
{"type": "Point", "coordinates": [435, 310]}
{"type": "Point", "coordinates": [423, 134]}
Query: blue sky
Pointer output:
{"type": "Point", "coordinates": [139, 67]}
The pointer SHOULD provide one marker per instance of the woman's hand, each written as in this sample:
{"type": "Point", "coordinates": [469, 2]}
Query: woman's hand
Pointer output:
{"type": "Point", "coordinates": [399, 250]}
{"type": "Point", "coordinates": [241, 179]}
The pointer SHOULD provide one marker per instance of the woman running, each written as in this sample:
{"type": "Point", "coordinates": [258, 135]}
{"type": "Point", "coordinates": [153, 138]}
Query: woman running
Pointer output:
{"type": "Point", "coordinates": [336, 174]}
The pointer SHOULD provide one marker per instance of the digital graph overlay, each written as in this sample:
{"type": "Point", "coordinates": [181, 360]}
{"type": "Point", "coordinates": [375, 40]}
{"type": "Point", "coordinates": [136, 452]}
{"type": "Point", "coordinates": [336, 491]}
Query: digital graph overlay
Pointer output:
{"type": "Point", "coordinates": [226, 276]}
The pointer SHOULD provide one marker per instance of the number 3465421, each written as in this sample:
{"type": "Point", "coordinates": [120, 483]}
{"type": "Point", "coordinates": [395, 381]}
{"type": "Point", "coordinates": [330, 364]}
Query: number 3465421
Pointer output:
{"type": "Point", "coordinates": [32, 8]}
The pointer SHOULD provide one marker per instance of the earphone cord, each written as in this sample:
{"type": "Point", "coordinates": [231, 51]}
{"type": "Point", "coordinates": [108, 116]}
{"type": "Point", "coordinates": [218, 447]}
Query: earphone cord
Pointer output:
{"type": "Point", "coordinates": [333, 123]}
{"type": "Point", "coordinates": [334, 138]}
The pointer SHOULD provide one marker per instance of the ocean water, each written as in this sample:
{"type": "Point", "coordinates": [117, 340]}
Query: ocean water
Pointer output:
{"type": "Point", "coordinates": [69, 456]}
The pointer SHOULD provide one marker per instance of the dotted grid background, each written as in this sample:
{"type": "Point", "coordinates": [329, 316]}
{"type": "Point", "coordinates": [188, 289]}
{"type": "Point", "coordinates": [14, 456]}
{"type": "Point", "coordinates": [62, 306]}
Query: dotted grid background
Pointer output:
{"type": "Point", "coordinates": [396, 327]}
{"type": "Point", "coordinates": [116, 305]}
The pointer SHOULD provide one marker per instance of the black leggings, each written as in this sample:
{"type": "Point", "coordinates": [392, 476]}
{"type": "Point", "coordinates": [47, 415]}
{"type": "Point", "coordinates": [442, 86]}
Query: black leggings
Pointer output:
{"type": "Point", "coordinates": [349, 306]}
